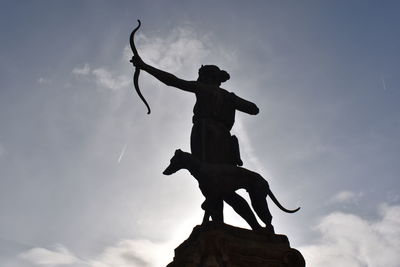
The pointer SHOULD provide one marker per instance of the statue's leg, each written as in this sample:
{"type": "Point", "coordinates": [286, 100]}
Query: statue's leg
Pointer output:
{"type": "Point", "coordinates": [260, 206]}
{"type": "Point", "coordinates": [207, 214]}
{"type": "Point", "coordinates": [240, 205]}
{"type": "Point", "coordinates": [206, 217]}
{"type": "Point", "coordinates": [213, 207]}
{"type": "Point", "coordinates": [217, 210]}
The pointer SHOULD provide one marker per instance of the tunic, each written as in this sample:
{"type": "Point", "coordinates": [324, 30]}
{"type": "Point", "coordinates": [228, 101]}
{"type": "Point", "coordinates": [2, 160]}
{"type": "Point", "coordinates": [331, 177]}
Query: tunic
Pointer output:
{"type": "Point", "coordinates": [213, 118]}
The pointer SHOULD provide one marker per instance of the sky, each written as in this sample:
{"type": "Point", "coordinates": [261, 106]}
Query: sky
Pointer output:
{"type": "Point", "coordinates": [81, 162]}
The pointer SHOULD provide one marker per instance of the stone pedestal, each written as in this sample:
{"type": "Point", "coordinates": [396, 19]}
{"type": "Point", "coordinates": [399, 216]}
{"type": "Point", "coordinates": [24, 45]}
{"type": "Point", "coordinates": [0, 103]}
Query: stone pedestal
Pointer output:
{"type": "Point", "coordinates": [222, 245]}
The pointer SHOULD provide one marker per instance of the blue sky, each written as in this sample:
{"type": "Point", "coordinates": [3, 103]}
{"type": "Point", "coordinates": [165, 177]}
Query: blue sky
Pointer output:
{"type": "Point", "coordinates": [81, 162]}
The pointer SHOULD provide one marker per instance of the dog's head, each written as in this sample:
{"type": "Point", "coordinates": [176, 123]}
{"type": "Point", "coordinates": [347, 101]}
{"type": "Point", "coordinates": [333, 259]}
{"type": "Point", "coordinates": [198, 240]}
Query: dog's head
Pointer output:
{"type": "Point", "coordinates": [176, 163]}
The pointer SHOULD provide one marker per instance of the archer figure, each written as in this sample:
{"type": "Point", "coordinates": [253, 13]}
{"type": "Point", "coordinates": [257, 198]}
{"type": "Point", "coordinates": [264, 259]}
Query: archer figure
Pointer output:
{"type": "Point", "coordinates": [213, 113]}
{"type": "Point", "coordinates": [213, 118]}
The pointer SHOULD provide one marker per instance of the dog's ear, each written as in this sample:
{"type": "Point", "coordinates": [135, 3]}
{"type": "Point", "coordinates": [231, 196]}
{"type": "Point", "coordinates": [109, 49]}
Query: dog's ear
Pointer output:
{"type": "Point", "coordinates": [178, 151]}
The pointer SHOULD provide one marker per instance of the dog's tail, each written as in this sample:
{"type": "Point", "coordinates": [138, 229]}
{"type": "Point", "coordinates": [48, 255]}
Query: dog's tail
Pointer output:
{"type": "Point", "coordinates": [272, 196]}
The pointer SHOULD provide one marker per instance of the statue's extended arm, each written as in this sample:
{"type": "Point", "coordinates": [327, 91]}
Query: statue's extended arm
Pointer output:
{"type": "Point", "coordinates": [165, 77]}
{"type": "Point", "coordinates": [245, 106]}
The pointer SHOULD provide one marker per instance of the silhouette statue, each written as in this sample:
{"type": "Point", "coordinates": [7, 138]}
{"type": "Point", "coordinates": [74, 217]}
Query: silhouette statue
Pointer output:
{"type": "Point", "coordinates": [213, 118]}
{"type": "Point", "coordinates": [218, 182]}
{"type": "Point", "coordinates": [211, 141]}
{"type": "Point", "coordinates": [214, 162]}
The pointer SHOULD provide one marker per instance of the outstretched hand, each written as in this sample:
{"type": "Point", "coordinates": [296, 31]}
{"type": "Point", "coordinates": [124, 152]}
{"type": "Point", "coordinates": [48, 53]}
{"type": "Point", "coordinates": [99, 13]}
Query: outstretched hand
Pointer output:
{"type": "Point", "coordinates": [137, 62]}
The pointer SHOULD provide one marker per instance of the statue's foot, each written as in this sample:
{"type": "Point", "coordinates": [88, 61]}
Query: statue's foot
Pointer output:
{"type": "Point", "coordinates": [240, 162]}
{"type": "Point", "coordinates": [268, 229]}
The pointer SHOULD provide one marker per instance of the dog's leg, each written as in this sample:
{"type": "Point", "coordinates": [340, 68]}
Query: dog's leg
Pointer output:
{"type": "Point", "coordinates": [260, 206]}
{"type": "Point", "coordinates": [240, 205]}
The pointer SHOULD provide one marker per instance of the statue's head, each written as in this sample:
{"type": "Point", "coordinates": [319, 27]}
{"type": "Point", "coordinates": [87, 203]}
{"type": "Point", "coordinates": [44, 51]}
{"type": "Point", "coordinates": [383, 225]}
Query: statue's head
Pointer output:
{"type": "Point", "coordinates": [212, 75]}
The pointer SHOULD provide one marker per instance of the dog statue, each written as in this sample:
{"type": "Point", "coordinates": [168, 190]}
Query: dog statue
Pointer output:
{"type": "Point", "coordinates": [218, 183]}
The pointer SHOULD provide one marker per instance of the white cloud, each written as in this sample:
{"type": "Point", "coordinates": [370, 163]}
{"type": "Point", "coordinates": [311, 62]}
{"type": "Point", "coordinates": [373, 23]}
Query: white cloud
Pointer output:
{"type": "Point", "coordinates": [133, 253]}
{"type": "Point", "coordinates": [42, 256]}
{"type": "Point", "coordinates": [346, 196]}
{"type": "Point", "coordinates": [43, 80]}
{"type": "Point", "coordinates": [351, 241]}
{"type": "Point", "coordinates": [85, 70]}
{"type": "Point", "coordinates": [102, 77]}
{"type": "Point", "coordinates": [182, 50]}
{"type": "Point", "coordinates": [106, 79]}
{"type": "Point", "coordinates": [126, 253]}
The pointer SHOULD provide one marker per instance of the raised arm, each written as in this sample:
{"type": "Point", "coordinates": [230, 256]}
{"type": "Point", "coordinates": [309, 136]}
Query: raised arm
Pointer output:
{"type": "Point", "coordinates": [245, 106]}
{"type": "Point", "coordinates": [165, 77]}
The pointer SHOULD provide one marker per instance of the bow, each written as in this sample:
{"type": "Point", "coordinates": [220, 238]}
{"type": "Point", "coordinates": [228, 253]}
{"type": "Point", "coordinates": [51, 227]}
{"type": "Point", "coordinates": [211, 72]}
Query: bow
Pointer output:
{"type": "Point", "coordinates": [137, 70]}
